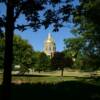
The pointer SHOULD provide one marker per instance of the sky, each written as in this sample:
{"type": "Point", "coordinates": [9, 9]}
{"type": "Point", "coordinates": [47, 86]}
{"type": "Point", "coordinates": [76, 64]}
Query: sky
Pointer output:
{"type": "Point", "coordinates": [36, 39]}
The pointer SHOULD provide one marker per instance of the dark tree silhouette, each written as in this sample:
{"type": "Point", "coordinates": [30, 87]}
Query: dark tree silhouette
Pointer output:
{"type": "Point", "coordinates": [59, 61]}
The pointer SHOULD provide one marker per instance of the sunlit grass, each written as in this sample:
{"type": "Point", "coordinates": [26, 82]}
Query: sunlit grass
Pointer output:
{"type": "Point", "coordinates": [40, 79]}
{"type": "Point", "coordinates": [53, 77]}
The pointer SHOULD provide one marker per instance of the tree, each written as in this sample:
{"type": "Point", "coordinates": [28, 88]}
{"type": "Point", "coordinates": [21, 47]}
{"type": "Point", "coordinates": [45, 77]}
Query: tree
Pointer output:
{"type": "Point", "coordinates": [42, 63]}
{"type": "Point", "coordinates": [88, 27]}
{"type": "Point", "coordinates": [84, 58]}
{"type": "Point", "coordinates": [22, 56]}
{"type": "Point", "coordinates": [59, 61]}
{"type": "Point", "coordinates": [74, 48]}
{"type": "Point", "coordinates": [31, 10]}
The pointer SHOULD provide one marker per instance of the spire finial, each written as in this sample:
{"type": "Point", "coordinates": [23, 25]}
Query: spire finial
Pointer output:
{"type": "Point", "coordinates": [49, 35]}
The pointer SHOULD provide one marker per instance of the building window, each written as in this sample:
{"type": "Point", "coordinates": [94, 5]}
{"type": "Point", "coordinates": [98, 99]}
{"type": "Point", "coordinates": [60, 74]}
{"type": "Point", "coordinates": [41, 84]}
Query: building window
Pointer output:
{"type": "Point", "coordinates": [49, 48]}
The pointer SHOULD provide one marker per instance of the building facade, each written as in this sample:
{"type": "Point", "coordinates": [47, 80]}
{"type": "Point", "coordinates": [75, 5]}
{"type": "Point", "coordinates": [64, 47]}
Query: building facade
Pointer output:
{"type": "Point", "coordinates": [49, 46]}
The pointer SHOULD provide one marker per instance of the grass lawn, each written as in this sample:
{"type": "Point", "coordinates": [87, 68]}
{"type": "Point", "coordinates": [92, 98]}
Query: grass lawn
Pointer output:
{"type": "Point", "coordinates": [18, 79]}
{"type": "Point", "coordinates": [44, 87]}
{"type": "Point", "coordinates": [54, 77]}
{"type": "Point", "coordinates": [40, 79]}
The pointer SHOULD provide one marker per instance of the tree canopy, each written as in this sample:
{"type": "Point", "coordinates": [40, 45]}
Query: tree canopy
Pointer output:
{"type": "Point", "coordinates": [42, 62]}
{"type": "Point", "coordinates": [87, 31]}
{"type": "Point", "coordinates": [37, 13]}
{"type": "Point", "coordinates": [22, 51]}
{"type": "Point", "coordinates": [59, 62]}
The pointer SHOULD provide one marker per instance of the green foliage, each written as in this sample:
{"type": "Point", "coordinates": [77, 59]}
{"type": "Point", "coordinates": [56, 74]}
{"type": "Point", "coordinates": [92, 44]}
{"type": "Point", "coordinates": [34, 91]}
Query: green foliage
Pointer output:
{"type": "Point", "coordinates": [22, 51]}
{"type": "Point", "coordinates": [42, 62]}
{"type": "Point", "coordinates": [87, 63]}
{"type": "Point", "coordinates": [31, 9]}
{"type": "Point", "coordinates": [24, 55]}
{"type": "Point", "coordinates": [73, 46]}
{"type": "Point", "coordinates": [74, 49]}
{"type": "Point", "coordinates": [59, 61]}
{"type": "Point", "coordinates": [82, 52]}
{"type": "Point", "coordinates": [87, 27]}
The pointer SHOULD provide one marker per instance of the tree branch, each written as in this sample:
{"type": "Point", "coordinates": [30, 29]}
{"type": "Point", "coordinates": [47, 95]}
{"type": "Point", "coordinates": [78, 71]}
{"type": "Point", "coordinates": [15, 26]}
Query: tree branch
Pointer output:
{"type": "Point", "coordinates": [17, 14]}
{"type": "Point", "coordinates": [19, 11]}
{"type": "Point", "coordinates": [23, 27]}
{"type": "Point", "coordinates": [2, 22]}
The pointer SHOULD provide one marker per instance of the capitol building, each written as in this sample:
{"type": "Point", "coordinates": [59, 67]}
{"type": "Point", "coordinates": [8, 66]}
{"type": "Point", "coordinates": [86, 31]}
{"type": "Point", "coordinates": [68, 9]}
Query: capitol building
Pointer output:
{"type": "Point", "coordinates": [49, 46]}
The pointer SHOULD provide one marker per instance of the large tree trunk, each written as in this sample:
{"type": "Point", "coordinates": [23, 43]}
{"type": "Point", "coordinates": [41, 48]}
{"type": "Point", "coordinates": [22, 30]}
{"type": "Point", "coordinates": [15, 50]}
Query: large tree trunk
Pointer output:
{"type": "Point", "coordinates": [8, 57]}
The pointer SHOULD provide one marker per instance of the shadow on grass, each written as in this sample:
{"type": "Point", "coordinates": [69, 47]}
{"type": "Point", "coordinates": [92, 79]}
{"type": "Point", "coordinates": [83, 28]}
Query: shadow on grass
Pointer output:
{"type": "Point", "coordinates": [27, 75]}
{"type": "Point", "coordinates": [92, 80]}
{"type": "Point", "coordinates": [70, 90]}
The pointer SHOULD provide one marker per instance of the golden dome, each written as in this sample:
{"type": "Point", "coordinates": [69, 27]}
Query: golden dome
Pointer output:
{"type": "Point", "coordinates": [49, 39]}
{"type": "Point", "coordinates": [49, 46]}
